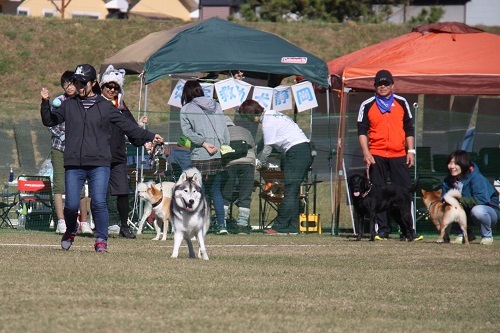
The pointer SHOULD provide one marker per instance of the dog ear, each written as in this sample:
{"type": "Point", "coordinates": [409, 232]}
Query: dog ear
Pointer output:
{"type": "Point", "coordinates": [424, 192]}
{"type": "Point", "coordinates": [440, 191]}
{"type": "Point", "coordinates": [183, 177]}
{"type": "Point", "coordinates": [154, 190]}
{"type": "Point", "coordinates": [196, 179]}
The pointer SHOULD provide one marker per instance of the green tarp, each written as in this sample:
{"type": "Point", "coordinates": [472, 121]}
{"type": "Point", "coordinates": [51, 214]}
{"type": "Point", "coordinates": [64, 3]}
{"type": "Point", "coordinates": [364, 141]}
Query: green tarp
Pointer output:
{"type": "Point", "coordinates": [216, 45]}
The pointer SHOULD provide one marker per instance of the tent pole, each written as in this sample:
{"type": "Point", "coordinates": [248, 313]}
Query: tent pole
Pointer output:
{"type": "Point", "coordinates": [330, 155]}
{"type": "Point", "coordinates": [340, 157]}
{"type": "Point", "coordinates": [137, 150]}
{"type": "Point", "coordinates": [136, 199]}
{"type": "Point", "coordinates": [145, 113]}
{"type": "Point", "coordinates": [414, 206]}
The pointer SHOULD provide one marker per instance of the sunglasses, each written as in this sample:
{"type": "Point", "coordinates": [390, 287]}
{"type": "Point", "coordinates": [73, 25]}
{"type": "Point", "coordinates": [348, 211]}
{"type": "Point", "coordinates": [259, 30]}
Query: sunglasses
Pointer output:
{"type": "Point", "coordinates": [383, 83]}
{"type": "Point", "coordinates": [78, 83]}
{"type": "Point", "coordinates": [112, 87]}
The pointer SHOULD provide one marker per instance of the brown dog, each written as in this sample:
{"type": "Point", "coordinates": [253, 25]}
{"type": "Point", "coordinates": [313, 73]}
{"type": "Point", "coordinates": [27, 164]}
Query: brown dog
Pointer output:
{"type": "Point", "coordinates": [160, 200]}
{"type": "Point", "coordinates": [444, 213]}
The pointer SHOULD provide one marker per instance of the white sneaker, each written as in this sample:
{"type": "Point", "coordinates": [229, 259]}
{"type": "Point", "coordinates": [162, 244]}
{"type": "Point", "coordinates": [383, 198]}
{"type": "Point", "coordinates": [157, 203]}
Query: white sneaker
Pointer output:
{"type": "Point", "coordinates": [458, 240]}
{"type": "Point", "coordinates": [86, 228]}
{"type": "Point", "coordinates": [222, 232]}
{"type": "Point", "coordinates": [61, 227]}
{"type": "Point", "coordinates": [487, 241]}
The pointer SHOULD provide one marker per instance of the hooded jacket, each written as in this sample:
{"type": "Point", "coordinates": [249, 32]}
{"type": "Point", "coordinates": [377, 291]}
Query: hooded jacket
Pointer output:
{"type": "Point", "coordinates": [476, 190]}
{"type": "Point", "coordinates": [202, 120]}
{"type": "Point", "coordinates": [88, 133]}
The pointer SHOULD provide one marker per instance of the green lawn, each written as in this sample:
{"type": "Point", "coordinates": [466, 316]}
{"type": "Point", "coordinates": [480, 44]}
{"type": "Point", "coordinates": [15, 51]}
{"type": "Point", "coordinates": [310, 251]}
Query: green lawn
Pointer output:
{"type": "Point", "coordinates": [252, 283]}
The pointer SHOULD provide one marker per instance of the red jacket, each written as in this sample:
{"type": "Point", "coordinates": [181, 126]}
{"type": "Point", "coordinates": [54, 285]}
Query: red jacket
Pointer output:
{"type": "Point", "coordinates": [386, 132]}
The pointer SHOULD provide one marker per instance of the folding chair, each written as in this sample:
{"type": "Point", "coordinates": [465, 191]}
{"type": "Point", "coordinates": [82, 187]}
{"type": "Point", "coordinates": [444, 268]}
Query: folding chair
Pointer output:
{"type": "Point", "coordinates": [271, 195]}
{"type": "Point", "coordinates": [5, 207]}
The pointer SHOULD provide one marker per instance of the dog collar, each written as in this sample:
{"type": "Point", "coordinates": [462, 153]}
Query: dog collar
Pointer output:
{"type": "Point", "coordinates": [157, 203]}
{"type": "Point", "coordinates": [366, 193]}
{"type": "Point", "coordinates": [432, 203]}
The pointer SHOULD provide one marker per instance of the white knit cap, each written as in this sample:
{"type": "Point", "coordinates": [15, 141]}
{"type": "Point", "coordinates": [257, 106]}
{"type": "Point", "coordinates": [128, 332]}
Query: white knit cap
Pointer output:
{"type": "Point", "coordinates": [117, 76]}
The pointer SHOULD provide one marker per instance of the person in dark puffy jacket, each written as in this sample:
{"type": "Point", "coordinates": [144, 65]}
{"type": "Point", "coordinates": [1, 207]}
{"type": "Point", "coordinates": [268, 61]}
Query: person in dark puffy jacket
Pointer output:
{"type": "Point", "coordinates": [87, 154]}
{"type": "Point", "coordinates": [111, 83]}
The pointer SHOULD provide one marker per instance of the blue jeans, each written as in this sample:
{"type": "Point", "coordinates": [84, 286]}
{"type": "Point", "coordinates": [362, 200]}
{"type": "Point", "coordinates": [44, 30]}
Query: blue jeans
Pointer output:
{"type": "Point", "coordinates": [485, 217]}
{"type": "Point", "coordinates": [98, 178]}
{"type": "Point", "coordinates": [212, 186]}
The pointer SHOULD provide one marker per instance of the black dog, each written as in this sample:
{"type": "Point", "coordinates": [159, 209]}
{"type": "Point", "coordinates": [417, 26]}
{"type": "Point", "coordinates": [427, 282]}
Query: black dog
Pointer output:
{"type": "Point", "coordinates": [369, 200]}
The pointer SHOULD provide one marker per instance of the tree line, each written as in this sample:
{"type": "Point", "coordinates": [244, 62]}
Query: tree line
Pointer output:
{"type": "Point", "coordinates": [337, 11]}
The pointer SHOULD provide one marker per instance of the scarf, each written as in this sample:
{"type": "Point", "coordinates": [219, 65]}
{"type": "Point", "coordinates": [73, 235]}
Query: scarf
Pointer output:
{"type": "Point", "coordinates": [384, 103]}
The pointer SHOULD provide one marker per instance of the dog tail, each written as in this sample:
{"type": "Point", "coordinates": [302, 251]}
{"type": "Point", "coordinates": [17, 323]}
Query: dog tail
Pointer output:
{"type": "Point", "coordinates": [452, 196]}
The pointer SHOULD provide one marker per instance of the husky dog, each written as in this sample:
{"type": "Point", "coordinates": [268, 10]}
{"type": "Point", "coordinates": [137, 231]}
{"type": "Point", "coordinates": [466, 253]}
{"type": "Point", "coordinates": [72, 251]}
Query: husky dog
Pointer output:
{"type": "Point", "coordinates": [158, 200]}
{"type": "Point", "coordinates": [444, 213]}
{"type": "Point", "coordinates": [190, 213]}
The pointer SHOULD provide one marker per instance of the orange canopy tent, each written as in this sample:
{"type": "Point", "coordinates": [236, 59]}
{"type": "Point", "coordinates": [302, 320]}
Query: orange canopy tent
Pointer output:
{"type": "Point", "coordinates": [439, 58]}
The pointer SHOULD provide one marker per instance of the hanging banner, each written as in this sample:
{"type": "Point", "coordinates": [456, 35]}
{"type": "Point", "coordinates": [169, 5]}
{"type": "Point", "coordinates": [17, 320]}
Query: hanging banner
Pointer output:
{"type": "Point", "coordinates": [264, 96]}
{"type": "Point", "coordinates": [175, 97]}
{"type": "Point", "coordinates": [232, 93]}
{"type": "Point", "coordinates": [282, 99]}
{"type": "Point", "coordinates": [303, 93]}
{"type": "Point", "coordinates": [227, 94]}
{"type": "Point", "coordinates": [243, 89]}
{"type": "Point", "coordinates": [208, 89]}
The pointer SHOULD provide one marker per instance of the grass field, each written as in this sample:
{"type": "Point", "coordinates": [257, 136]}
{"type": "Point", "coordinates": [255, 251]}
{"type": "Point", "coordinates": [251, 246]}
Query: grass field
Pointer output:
{"type": "Point", "coordinates": [254, 283]}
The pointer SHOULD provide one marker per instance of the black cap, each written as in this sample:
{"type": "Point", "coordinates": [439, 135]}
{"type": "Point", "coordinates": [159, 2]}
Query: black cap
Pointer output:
{"type": "Point", "coordinates": [383, 75]}
{"type": "Point", "coordinates": [85, 73]}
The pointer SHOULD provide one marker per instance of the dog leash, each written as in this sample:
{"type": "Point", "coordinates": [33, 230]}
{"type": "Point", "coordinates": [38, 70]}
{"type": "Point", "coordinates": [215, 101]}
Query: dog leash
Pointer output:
{"type": "Point", "coordinates": [154, 158]}
{"type": "Point", "coordinates": [369, 183]}
{"type": "Point", "coordinates": [155, 153]}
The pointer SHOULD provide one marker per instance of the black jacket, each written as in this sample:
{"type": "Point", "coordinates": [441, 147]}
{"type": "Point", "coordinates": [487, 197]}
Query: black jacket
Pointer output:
{"type": "Point", "coordinates": [88, 133]}
{"type": "Point", "coordinates": [118, 148]}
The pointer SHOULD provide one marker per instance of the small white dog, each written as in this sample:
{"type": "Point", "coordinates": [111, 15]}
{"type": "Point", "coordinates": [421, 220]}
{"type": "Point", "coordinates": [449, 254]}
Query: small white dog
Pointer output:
{"type": "Point", "coordinates": [157, 201]}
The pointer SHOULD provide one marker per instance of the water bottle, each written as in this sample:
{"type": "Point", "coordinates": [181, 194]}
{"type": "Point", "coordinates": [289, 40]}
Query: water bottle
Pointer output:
{"type": "Point", "coordinates": [21, 223]}
{"type": "Point", "coordinates": [11, 175]}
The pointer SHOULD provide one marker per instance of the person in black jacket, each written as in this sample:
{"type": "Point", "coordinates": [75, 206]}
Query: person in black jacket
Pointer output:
{"type": "Point", "coordinates": [87, 154]}
{"type": "Point", "coordinates": [111, 84]}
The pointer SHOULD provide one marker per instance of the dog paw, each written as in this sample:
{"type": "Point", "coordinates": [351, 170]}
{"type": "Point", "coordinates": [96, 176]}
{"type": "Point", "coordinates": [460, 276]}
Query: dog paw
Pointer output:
{"type": "Point", "coordinates": [440, 241]}
{"type": "Point", "coordinates": [156, 238]}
